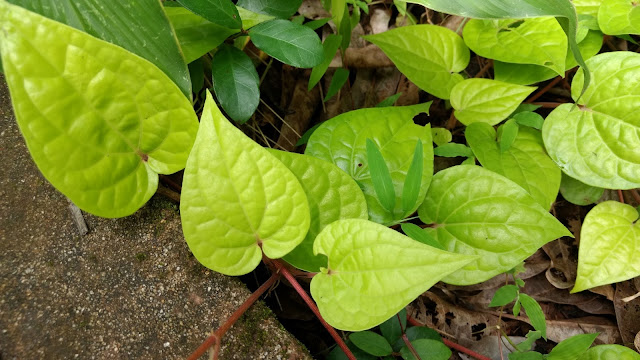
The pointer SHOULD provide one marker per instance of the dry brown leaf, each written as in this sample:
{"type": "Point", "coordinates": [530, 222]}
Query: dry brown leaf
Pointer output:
{"type": "Point", "coordinates": [564, 262]}
{"type": "Point", "coordinates": [558, 330]}
{"type": "Point", "coordinates": [627, 313]}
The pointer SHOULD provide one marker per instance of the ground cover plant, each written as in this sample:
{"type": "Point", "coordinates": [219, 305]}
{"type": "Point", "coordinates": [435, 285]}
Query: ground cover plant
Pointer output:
{"type": "Point", "coordinates": [106, 112]}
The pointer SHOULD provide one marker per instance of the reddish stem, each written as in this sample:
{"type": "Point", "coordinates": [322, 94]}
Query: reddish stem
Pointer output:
{"type": "Point", "coordinates": [620, 196]}
{"type": "Point", "coordinates": [405, 338]}
{"type": "Point", "coordinates": [548, 105]}
{"type": "Point", "coordinates": [219, 333]}
{"type": "Point", "coordinates": [635, 195]}
{"type": "Point", "coordinates": [451, 344]}
{"type": "Point", "coordinates": [544, 89]}
{"type": "Point", "coordinates": [283, 270]}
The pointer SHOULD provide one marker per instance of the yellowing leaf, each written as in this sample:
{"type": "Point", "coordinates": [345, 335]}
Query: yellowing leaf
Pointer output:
{"type": "Point", "coordinates": [237, 198]}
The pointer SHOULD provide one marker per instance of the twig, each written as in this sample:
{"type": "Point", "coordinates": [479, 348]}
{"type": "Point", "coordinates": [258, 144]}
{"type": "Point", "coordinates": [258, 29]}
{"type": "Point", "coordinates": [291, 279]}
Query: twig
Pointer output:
{"type": "Point", "coordinates": [620, 196]}
{"type": "Point", "coordinates": [172, 195]}
{"type": "Point", "coordinates": [548, 105]}
{"type": "Point", "coordinates": [635, 195]}
{"type": "Point", "coordinates": [78, 219]}
{"type": "Point", "coordinates": [451, 344]}
{"type": "Point", "coordinates": [484, 69]}
{"type": "Point", "coordinates": [542, 91]}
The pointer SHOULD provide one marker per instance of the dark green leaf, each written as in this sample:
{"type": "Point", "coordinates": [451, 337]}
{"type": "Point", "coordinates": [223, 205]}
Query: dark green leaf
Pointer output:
{"type": "Point", "coordinates": [338, 354]}
{"type": "Point", "coordinates": [329, 47]}
{"type": "Point", "coordinates": [338, 80]}
{"type": "Point", "coordinates": [112, 21]}
{"type": "Point", "coordinates": [427, 349]}
{"type": "Point", "coordinates": [221, 12]}
{"type": "Point", "coordinates": [453, 150]}
{"type": "Point", "coordinates": [531, 355]}
{"type": "Point", "coordinates": [389, 101]}
{"type": "Point", "coordinates": [340, 14]}
{"type": "Point", "coordinates": [417, 233]}
{"type": "Point", "coordinates": [371, 343]}
{"type": "Point", "coordinates": [411, 187]}
{"type": "Point", "coordinates": [504, 295]}
{"type": "Point", "coordinates": [579, 193]}
{"type": "Point", "coordinates": [392, 328]}
{"type": "Point", "coordinates": [528, 118]}
{"type": "Point", "coordinates": [535, 314]}
{"type": "Point", "coordinates": [507, 134]}
{"type": "Point", "coordinates": [305, 137]}
{"type": "Point", "coordinates": [235, 82]}
{"type": "Point", "coordinates": [315, 24]}
{"type": "Point", "coordinates": [417, 332]}
{"type": "Point", "coordinates": [293, 44]}
{"type": "Point", "coordinates": [196, 71]}
{"type": "Point", "coordinates": [282, 9]}
{"type": "Point", "coordinates": [298, 19]}
{"type": "Point", "coordinates": [526, 345]}
{"type": "Point", "coordinates": [382, 183]}
{"type": "Point", "coordinates": [572, 348]}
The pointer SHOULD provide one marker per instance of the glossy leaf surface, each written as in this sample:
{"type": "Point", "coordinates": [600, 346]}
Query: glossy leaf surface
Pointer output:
{"type": "Point", "coordinates": [237, 198]}
{"type": "Point", "coordinates": [427, 349]}
{"type": "Point", "coordinates": [611, 352]}
{"type": "Point", "coordinates": [364, 286]}
{"type": "Point", "coordinates": [342, 140]}
{"type": "Point", "coordinates": [579, 193]}
{"type": "Point", "coordinates": [430, 56]}
{"type": "Point", "coordinates": [221, 12]}
{"type": "Point", "coordinates": [485, 100]}
{"type": "Point", "coordinates": [112, 21]}
{"type": "Point", "coordinates": [504, 295]}
{"type": "Point", "coordinates": [289, 43]}
{"type": "Point", "coordinates": [332, 195]}
{"type": "Point", "coordinates": [539, 41]}
{"type": "Point", "coordinates": [526, 162]}
{"type": "Point", "coordinates": [235, 82]}
{"type": "Point", "coordinates": [572, 348]}
{"type": "Point", "coordinates": [609, 246]}
{"type": "Point", "coordinates": [535, 314]}
{"type": "Point", "coordinates": [371, 343]}
{"type": "Point", "coordinates": [619, 17]}
{"type": "Point", "coordinates": [91, 113]}
{"type": "Point", "coordinates": [251, 19]}
{"type": "Point", "coordinates": [441, 136]}
{"type": "Point", "coordinates": [597, 143]}
{"type": "Point", "coordinates": [279, 8]}
{"type": "Point", "coordinates": [478, 212]}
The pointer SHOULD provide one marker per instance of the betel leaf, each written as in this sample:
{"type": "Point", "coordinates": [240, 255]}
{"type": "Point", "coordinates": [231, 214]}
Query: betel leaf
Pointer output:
{"type": "Point", "coordinates": [563, 10]}
{"type": "Point", "coordinates": [507, 134]}
{"type": "Point", "coordinates": [416, 233]}
{"type": "Point", "coordinates": [196, 35]}
{"type": "Point", "coordinates": [504, 295]}
{"type": "Point", "coordinates": [525, 162]}
{"type": "Point", "coordinates": [237, 199]}
{"type": "Point", "coordinates": [279, 8]}
{"type": "Point", "coordinates": [340, 77]}
{"type": "Point", "coordinates": [91, 113]}
{"type": "Point", "coordinates": [579, 193]}
{"type": "Point", "coordinates": [411, 188]}
{"type": "Point", "coordinates": [530, 119]}
{"type": "Point", "coordinates": [572, 348]}
{"type": "Point", "coordinates": [380, 176]}
{"type": "Point", "coordinates": [221, 12]}
{"type": "Point", "coordinates": [597, 142]}
{"type": "Point", "coordinates": [364, 286]}
{"type": "Point", "coordinates": [426, 349]}
{"type": "Point", "coordinates": [332, 195]}
{"type": "Point", "coordinates": [112, 21]}
{"type": "Point", "coordinates": [330, 47]}
{"type": "Point", "coordinates": [610, 352]}
{"type": "Point", "coordinates": [235, 82]}
{"type": "Point", "coordinates": [475, 211]}
{"type": "Point", "coordinates": [342, 140]}
{"type": "Point", "coordinates": [293, 44]}
{"type": "Point", "coordinates": [535, 314]}
{"type": "Point", "coordinates": [609, 246]}
{"type": "Point", "coordinates": [587, 7]}
{"type": "Point", "coordinates": [430, 56]}
{"type": "Point", "coordinates": [441, 136]}
{"type": "Point", "coordinates": [619, 17]}
{"type": "Point", "coordinates": [371, 343]}
{"type": "Point", "coordinates": [539, 41]}
{"type": "Point", "coordinates": [486, 100]}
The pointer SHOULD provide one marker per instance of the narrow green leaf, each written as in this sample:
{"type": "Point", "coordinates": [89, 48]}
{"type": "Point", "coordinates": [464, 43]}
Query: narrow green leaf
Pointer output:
{"type": "Point", "coordinates": [516, 308]}
{"type": "Point", "coordinates": [316, 24]}
{"type": "Point", "coordinates": [307, 134]}
{"type": "Point", "coordinates": [572, 348]}
{"type": "Point", "coordinates": [416, 233]}
{"type": "Point", "coordinates": [221, 12]}
{"type": "Point", "coordinates": [441, 136]}
{"type": "Point", "coordinates": [353, 293]}
{"type": "Point", "coordinates": [411, 47]}
{"type": "Point", "coordinates": [340, 77]}
{"type": "Point", "coordinates": [453, 150]}
{"type": "Point", "coordinates": [330, 46]}
{"type": "Point", "coordinates": [393, 328]}
{"type": "Point", "coordinates": [235, 82]}
{"type": "Point", "coordinates": [380, 176]}
{"type": "Point", "coordinates": [611, 352]}
{"type": "Point", "coordinates": [426, 349]}
{"type": "Point", "coordinates": [486, 100]}
{"type": "Point", "coordinates": [531, 355]}
{"type": "Point", "coordinates": [411, 188]}
{"type": "Point", "coordinates": [238, 201]}
{"type": "Point", "coordinates": [530, 119]}
{"type": "Point", "coordinates": [507, 134]}
{"type": "Point", "coordinates": [579, 193]}
{"type": "Point", "coordinates": [332, 195]}
{"type": "Point", "coordinates": [532, 336]}
{"type": "Point", "coordinates": [371, 343]}
{"type": "Point", "coordinates": [389, 101]}
{"type": "Point", "coordinates": [293, 44]}
{"type": "Point", "coordinates": [282, 9]}
{"type": "Point", "coordinates": [91, 114]}
{"type": "Point", "coordinates": [340, 17]}
{"type": "Point", "coordinates": [504, 295]}
{"type": "Point", "coordinates": [535, 314]}
{"type": "Point", "coordinates": [476, 211]}
{"type": "Point", "coordinates": [619, 17]}
{"type": "Point", "coordinates": [609, 246]}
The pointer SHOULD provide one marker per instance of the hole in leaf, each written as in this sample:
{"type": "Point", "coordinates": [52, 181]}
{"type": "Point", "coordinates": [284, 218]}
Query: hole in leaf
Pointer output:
{"type": "Point", "coordinates": [359, 164]}
{"type": "Point", "coordinates": [448, 317]}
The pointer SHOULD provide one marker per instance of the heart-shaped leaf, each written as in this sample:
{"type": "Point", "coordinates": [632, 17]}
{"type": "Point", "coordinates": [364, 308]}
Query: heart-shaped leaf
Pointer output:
{"type": "Point", "coordinates": [332, 195]}
{"type": "Point", "coordinates": [619, 17]}
{"type": "Point", "coordinates": [485, 100]}
{"type": "Point", "coordinates": [430, 56]}
{"type": "Point", "coordinates": [526, 163]}
{"type": "Point", "coordinates": [609, 246]}
{"type": "Point", "coordinates": [238, 199]}
{"type": "Point", "coordinates": [577, 192]}
{"type": "Point", "coordinates": [364, 286]}
{"type": "Point", "coordinates": [91, 113]}
{"type": "Point", "coordinates": [539, 41]}
{"type": "Point", "coordinates": [342, 140]}
{"type": "Point", "coordinates": [597, 143]}
{"type": "Point", "coordinates": [475, 211]}
{"type": "Point", "coordinates": [221, 12]}
{"type": "Point", "coordinates": [235, 82]}
{"type": "Point", "coordinates": [610, 352]}
{"type": "Point", "coordinates": [290, 43]}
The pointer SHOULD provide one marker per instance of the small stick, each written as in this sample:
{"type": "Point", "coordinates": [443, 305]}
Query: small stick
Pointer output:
{"type": "Point", "coordinates": [544, 89]}
{"type": "Point", "coordinates": [172, 195]}
{"type": "Point", "coordinates": [451, 344]}
{"type": "Point", "coordinates": [635, 195]}
{"type": "Point", "coordinates": [620, 196]}
{"type": "Point", "coordinates": [78, 219]}
{"type": "Point", "coordinates": [548, 105]}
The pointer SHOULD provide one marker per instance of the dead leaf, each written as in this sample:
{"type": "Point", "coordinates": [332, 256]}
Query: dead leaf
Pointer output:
{"type": "Point", "coordinates": [627, 313]}
{"type": "Point", "coordinates": [564, 262]}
